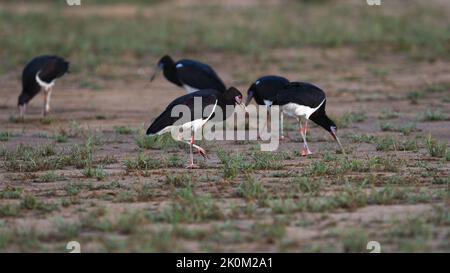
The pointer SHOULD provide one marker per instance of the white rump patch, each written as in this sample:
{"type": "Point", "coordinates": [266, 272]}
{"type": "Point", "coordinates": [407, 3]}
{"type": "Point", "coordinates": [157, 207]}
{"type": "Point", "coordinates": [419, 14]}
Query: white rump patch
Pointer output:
{"type": "Point", "coordinates": [43, 84]}
{"type": "Point", "coordinates": [190, 89]}
{"type": "Point", "coordinates": [179, 65]}
{"type": "Point", "coordinates": [297, 110]}
{"type": "Point", "coordinates": [268, 103]}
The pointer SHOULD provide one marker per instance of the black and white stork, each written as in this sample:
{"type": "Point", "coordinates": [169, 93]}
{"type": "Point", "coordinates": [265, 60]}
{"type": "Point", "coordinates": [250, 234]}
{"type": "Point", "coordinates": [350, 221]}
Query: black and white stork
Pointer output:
{"type": "Point", "coordinates": [41, 73]}
{"type": "Point", "coordinates": [264, 90]}
{"type": "Point", "coordinates": [305, 100]}
{"type": "Point", "coordinates": [198, 117]}
{"type": "Point", "coordinates": [189, 74]}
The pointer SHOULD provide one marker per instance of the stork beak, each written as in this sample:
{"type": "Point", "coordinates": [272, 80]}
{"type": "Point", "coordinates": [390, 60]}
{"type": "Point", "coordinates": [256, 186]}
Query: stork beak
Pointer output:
{"type": "Point", "coordinates": [249, 98]}
{"type": "Point", "coordinates": [158, 69]}
{"type": "Point", "coordinates": [333, 133]}
{"type": "Point", "coordinates": [243, 107]}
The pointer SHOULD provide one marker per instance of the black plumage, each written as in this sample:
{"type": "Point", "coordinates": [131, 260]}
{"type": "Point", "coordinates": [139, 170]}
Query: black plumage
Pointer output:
{"type": "Point", "coordinates": [264, 90]}
{"type": "Point", "coordinates": [307, 101]}
{"type": "Point", "coordinates": [190, 74]}
{"type": "Point", "coordinates": [197, 117]}
{"type": "Point", "coordinates": [41, 72]}
{"type": "Point", "coordinates": [301, 93]}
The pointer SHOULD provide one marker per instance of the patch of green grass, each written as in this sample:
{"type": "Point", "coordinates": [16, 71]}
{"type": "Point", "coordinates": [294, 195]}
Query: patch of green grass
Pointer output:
{"type": "Point", "coordinates": [30, 202]}
{"type": "Point", "coordinates": [99, 172]}
{"type": "Point", "coordinates": [351, 117]}
{"type": "Point", "coordinates": [282, 206]}
{"type": "Point", "coordinates": [393, 144]}
{"type": "Point", "coordinates": [232, 164]}
{"type": "Point", "coordinates": [353, 197]}
{"type": "Point", "coordinates": [354, 240]}
{"type": "Point", "coordinates": [89, 84]}
{"type": "Point", "coordinates": [267, 160]}
{"type": "Point", "coordinates": [406, 129]}
{"type": "Point", "coordinates": [164, 142]}
{"type": "Point", "coordinates": [9, 210]}
{"type": "Point", "coordinates": [145, 193]}
{"type": "Point", "coordinates": [80, 156]}
{"type": "Point", "coordinates": [61, 138]}
{"type": "Point", "coordinates": [15, 119]}
{"type": "Point", "coordinates": [433, 115]}
{"type": "Point", "coordinates": [281, 174]}
{"type": "Point", "coordinates": [342, 166]}
{"type": "Point", "coordinates": [415, 96]}
{"type": "Point", "coordinates": [251, 189]}
{"type": "Point", "coordinates": [50, 176]}
{"type": "Point", "coordinates": [379, 72]}
{"type": "Point", "coordinates": [362, 138]}
{"type": "Point", "coordinates": [5, 136]}
{"type": "Point", "coordinates": [411, 235]}
{"type": "Point", "coordinates": [437, 88]}
{"type": "Point", "coordinates": [42, 158]}
{"type": "Point", "coordinates": [387, 113]}
{"type": "Point", "coordinates": [125, 196]}
{"type": "Point", "coordinates": [270, 232]}
{"type": "Point", "coordinates": [187, 206]}
{"type": "Point", "coordinates": [11, 193]}
{"type": "Point", "coordinates": [73, 189]}
{"type": "Point", "coordinates": [235, 163]}
{"type": "Point", "coordinates": [95, 220]}
{"type": "Point", "coordinates": [24, 151]}
{"type": "Point", "coordinates": [66, 230]}
{"type": "Point", "coordinates": [307, 185]}
{"type": "Point", "coordinates": [178, 180]}
{"type": "Point", "coordinates": [174, 161]}
{"type": "Point", "coordinates": [29, 159]}
{"type": "Point", "coordinates": [387, 127]}
{"type": "Point", "coordinates": [47, 120]}
{"type": "Point", "coordinates": [143, 162]}
{"type": "Point", "coordinates": [124, 130]}
{"type": "Point", "coordinates": [387, 195]}
{"type": "Point", "coordinates": [435, 148]}
{"type": "Point", "coordinates": [129, 222]}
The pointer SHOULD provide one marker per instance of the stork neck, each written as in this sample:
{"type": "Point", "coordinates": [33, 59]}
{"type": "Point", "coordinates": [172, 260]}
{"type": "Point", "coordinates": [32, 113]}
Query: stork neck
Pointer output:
{"type": "Point", "coordinates": [170, 72]}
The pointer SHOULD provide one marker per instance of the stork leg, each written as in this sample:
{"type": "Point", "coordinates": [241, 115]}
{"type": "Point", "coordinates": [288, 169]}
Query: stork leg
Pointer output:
{"type": "Point", "coordinates": [200, 150]}
{"type": "Point", "coordinates": [192, 144]}
{"type": "Point", "coordinates": [260, 130]}
{"type": "Point", "coordinates": [22, 109]}
{"type": "Point", "coordinates": [281, 125]}
{"type": "Point", "coordinates": [303, 131]}
{"type": "Point", "coordinates": [47, 94]}
{"type": "Point", "coordinates": [191, 155]}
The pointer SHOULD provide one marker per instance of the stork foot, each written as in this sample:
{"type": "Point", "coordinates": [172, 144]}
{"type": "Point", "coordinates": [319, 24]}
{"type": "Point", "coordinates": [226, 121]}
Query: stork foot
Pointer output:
{"type": "Point", "coordinates": [192, 166]}
{"type": "Point", "coordinates": [202, 152]}
{"type": "Point", "coordinates": [306, 152]}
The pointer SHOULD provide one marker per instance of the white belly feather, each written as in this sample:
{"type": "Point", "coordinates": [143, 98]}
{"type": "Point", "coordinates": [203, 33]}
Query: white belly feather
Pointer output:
{"type": "Point", "coordinates": [194, 124]}
{"type": "Point", "coordinates": [297, 110]}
